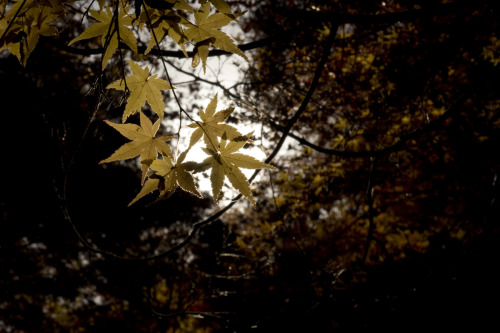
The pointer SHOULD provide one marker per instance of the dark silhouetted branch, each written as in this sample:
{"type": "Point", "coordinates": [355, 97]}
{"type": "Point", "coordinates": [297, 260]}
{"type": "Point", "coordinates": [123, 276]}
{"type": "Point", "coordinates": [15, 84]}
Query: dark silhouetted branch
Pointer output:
{"type": "Point", "coordinates": [399, 145]}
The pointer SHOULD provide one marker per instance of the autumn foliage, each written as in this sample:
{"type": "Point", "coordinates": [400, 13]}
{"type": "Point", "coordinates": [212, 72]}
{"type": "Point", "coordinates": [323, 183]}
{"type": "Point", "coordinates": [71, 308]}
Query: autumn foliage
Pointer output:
{"type": "Point", "coordinates": [114, 24]}
{"type": "Point", "coordinates": [373, 202]}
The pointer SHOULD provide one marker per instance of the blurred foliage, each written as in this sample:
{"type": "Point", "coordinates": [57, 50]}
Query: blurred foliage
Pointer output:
{"type": "Point", "coordinates": [344, 219]}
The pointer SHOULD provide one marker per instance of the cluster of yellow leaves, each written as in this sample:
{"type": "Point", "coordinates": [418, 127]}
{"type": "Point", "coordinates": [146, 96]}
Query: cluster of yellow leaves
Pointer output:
{"type": "Point", "coordinates": [144, 143]}
{"type": "Point", "coordinates": [225, 162]}
{"type": "Point", "coordinates": [162, 24]}
{"type": "Point", "coordinates": [22, 25]}
{"type": "Point", "coordinates": [168, 176]}
{"type": "Point", "coordinates": [116, 24]}
{"type": "Point", "coordinates": [206, 33]}
{"type": "Point", "coordinates": [211, 126]}
{"type": "Point", "coordinates": [162, 18]}
{"type": "Point", "coordinates": [113, 27]}
{"type": "Point", "coordinates": [25, 20]}
{"type": "Point", "coordinates": [161, 170]}
{"type": "Point", "coordinates": [169, 173]}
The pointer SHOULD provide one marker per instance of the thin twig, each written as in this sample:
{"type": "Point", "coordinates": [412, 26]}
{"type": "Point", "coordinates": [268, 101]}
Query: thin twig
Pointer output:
{"type": "Point", "coordinates": [399, 145]}
{"type": "Point", "coordinates": [307, 98]}
{"type": "Point", "coordinates": [12, 21]}
{"type": "Point", "coordinates": [116, 19]}
{"type": "Point", "coordinates": [371, 211]}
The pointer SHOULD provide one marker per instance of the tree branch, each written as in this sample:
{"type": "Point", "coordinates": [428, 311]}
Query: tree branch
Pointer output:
{"type": "Point", "coordinates": [166, 53]}
{"type": "Point", "coordinates": [317, 74]}
{"type": "Point", "coordinates": [379, 152]}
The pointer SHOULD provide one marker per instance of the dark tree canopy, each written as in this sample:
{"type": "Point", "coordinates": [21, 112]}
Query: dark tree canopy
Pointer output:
{"type": "Point", "coordinates": [376, 124]}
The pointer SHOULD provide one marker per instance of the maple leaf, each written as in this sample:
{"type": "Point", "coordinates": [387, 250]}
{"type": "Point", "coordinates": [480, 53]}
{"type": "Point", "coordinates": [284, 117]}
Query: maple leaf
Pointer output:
{"type": "Point", "coordinates": [225, 162]}
{"type": "Point", "coordinates": [210, 126]}
{"type": "Point", "coordinates": [162, 24]}
{"type": "Point", "coordinates": [224, 8]}
{"type": "Point", "coordinates": [168, 177]}
{"type": "Point", "coordinates": [143, 143]}
{"type": "Point", "coordinates": [221, 6]}
{"type": "Point", "coordinates": [25, 31]}
{"type": "Point", "coordinates": [206, 33]}
{"type": "Point", "coordinates": [106, 26]}
{"type": "Point", "coordinates": [143, 88]}
{"type": "Point", "coordinates": [3, 5]}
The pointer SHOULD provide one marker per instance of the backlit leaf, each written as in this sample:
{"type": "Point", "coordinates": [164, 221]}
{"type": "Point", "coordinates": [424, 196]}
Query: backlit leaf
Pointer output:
{"type": "Point", "coordinates": [207, 29]}
{"type": "Point", "coordinates": [23, 34]}
{"type": "Point", "coordinates": [143, 88]}
{"type": "Point", "coordinates": [168, 177]}
{"type": "Point", "coordinates": [226, 163]}
{"type": "Point", "coordinates": [163, 23]}
{"type": "Point", "coordinates": [107, 28]}
{"type": "Point", "coordinates": [210, 127]}
{"type": "Point", "coordinates": [143, 143]}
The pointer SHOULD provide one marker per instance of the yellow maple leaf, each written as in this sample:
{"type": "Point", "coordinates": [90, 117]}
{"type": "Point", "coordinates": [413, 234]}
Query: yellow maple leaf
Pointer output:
{"type": "Point", "coordinates": [225, 162]}
{"type": "Point", "coordinates": [3, 5]}
{"type": "Point", "coordinates": [162, 23]}
{"type": "Point", "coordinates": [211, 126]}
{"type": "Point", "coordinates": [106, 26]}
{"type": "Point", "coordinates": [206, 33]}
{"type": "Point", "coordinates": [142, 88]}
{"type": "Point", "coordinates": [221, 6]}
{"type": "Point", "coordinates": [168, 177]}
{"type": "Point", "coordinates": [144, 143]}
{"type": "Point", "coordinates": [24, 32]}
